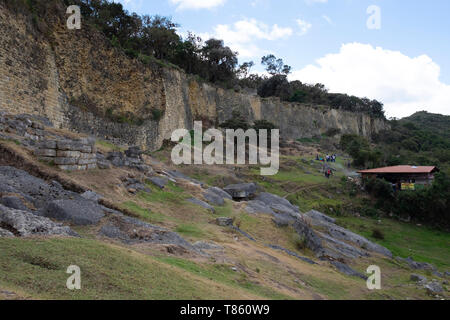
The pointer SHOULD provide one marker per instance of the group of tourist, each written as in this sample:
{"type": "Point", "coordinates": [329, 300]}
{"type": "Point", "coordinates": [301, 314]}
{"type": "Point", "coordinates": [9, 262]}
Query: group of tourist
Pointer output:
{"type": "Point", "coordinates": [326, 169]}
{"type": "Point", "coordinates": [328, 158]}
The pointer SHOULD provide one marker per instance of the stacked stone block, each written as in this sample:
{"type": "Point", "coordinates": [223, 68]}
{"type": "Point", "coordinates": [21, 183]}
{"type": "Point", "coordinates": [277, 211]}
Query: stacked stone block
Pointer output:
{"type": "Point", "coordinates": [70, 155]}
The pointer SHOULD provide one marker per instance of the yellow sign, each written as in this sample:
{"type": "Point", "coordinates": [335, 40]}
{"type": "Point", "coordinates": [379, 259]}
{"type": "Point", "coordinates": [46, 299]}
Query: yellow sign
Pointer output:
{"type": "Point", "coordinates": [408, 186]}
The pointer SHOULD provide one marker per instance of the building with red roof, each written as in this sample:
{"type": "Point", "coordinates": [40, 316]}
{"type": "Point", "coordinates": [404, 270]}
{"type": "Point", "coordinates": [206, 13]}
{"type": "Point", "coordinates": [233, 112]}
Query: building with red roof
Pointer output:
{"type": "Point", "coordinates": [415, 175]}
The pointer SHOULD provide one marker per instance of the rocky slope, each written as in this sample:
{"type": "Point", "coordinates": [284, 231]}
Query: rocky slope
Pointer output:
{"type": "Point", "coordinates": [39, 201]}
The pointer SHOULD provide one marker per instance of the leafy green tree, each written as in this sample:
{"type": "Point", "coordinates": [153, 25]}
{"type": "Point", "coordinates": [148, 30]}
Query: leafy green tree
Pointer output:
{"type": "Point", "coordinates": [275, 66]}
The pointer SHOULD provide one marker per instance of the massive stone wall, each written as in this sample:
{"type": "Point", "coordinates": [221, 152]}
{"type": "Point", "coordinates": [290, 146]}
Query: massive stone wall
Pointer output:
{"type": "Point", "coordinates": [29, 80]}
{"type": "Point", "coordinates": [78, 80]}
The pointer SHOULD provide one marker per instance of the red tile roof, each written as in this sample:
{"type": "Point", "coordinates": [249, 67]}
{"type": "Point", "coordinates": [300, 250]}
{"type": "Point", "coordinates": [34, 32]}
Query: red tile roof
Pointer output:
{"type": "Point", "coordinates": [401, 169]}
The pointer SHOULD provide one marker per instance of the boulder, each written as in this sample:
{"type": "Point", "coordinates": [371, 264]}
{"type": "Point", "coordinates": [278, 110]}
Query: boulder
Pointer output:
{"type": "Point", "coordinates": [26, 224]}
{"type": "Point", "coordinates": [257, 206]}
{"type": "Point", "coordinates": [78, 212]}
{"type": "Point", "coordinates": [213, 198]}
{"type": "Point", "coordinates": [241, 191]}
{"type": "Point", "coordinates": [312, 240]}
{"type": "Point", "coordinates": [281, 221]}
{"type": "Point", "coordinates": [285, 211]}
{"type": "Point", "coordinates": [316, 215]}
{"type": "Point", "coordinates": [337, 249]}
{"type": "Point", "coordinates": [202, 204]}
{"type": "Point", "coordinates": [345, 269]}
{"type": "Point", "coordinates": [111, 231]}
{"type": "Point", "coordinates": [13, 202]}
{"type": "Point", "coordinates": [203, 245]}
{"type": "Point", "coordinates": [138, 187]}
{"type": "Point", "coordinates": [274, 200]}
{"type": "Point", "coordinates": [134, 152]}
{"type": "Point", "coordinates": [224, 221]}
{"type": "Point", "coordinates": [178, 175]}
{"type": "Point", "coordinates": [131, 230]}
{"type": "Point", "coordinates": [433, 288]}
{"type": "Point", "coordinates": [220, 193]}
{"type": "Point", "coordinates": [293, 254]}
{"type": "Point", "coordinates": [336, 232]}
{"type": "Point", "coordinates": [91, 195]}
{"type": "Point", "coordinates": [417, 265]}
{"type": "Point", "coordinates": [34, 190]}
{"type": "Point", "coordinates": [418, 278]}
{"type": "Point", "coordinates": [160, 182]}
{"type": "Point", "coordinates": [5, 233]}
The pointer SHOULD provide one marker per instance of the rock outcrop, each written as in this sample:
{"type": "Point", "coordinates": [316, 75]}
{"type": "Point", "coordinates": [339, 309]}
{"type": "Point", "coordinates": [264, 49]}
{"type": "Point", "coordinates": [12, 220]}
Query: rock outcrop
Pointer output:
{"type": "Point", "coordinates": [25, 224]}
{"type": "Point", "coordinates": [317, 231]}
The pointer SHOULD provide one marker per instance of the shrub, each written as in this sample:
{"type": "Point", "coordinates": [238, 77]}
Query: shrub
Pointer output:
{"type": "Point", "coordinates": [157, 114]}
{"type": "Point", "coordinates": [377, 234]}
{"type": "Point", "coordinates": [380, 188]}
{"type": "Point", "coordinates": [332, 132]}
{"type": "Point", "coordinates": [300, 242]}
{"type": "Point", "coordinates": [237, 121]}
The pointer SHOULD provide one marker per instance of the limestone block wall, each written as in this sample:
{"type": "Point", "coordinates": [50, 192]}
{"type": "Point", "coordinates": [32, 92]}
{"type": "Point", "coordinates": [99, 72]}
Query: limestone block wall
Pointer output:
{"type": "Point", "coordinates": [29, 80]}
{"type": "Point", "coordinates": [70, 155]}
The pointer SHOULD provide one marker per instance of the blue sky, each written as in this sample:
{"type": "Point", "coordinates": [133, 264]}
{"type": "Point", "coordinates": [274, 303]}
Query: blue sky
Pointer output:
{"type": "Point", "coordinates": [403, 61]}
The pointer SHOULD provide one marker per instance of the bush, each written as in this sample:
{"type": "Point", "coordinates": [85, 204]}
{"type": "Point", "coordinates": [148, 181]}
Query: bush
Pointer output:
{"type": "Point", "coordinates": [157, 114]}
{"type": "Point", "coordinates": [264, 124]}
{"type": "Point", "coordinates": [236, 122]}
{"type": "Point", "coordinates": [380, 188]}
{"type": "Point", "coordinates": [377, 234]}
{"type": "Point", "coordinates": [332, 132]}
{"type": "Point", "coordinates": [300, 242]}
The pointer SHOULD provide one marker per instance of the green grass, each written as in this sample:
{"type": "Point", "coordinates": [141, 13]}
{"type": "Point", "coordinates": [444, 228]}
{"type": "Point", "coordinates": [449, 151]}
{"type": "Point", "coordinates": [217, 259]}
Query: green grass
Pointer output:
{"type": "Point", "coordinates": [309, 140]}
{"type": "Point", "coordinates": [38, 267]}
{"type": "Point", "coordinates": [224, 211]}
{"type": "Point", "coordinates": [333, 290]}
{"type": "Point", "coordinates": [16, 142]}
{"type": "Point", "coordinates": [171, 193]}
{"type": "Point", "coordinates": [224, 274]}
{"type": "Point", "coordinates": [190, 230]}
{"type": "Point", "coordinates": [405, 240]}
{"type": "Point", "coordinates": [145, 214]}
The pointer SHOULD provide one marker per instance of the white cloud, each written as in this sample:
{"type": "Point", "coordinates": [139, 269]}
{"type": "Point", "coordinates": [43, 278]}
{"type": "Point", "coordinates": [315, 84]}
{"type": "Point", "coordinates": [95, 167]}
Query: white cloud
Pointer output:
{"type": "Point", "coordinates": [304, 26]}
{"type": "Point", "coordinates": [243, 35]}
{"type": "Point", "coordinates": [404, 84]}
{"type": "Point", "coordinates": [197, 4]}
